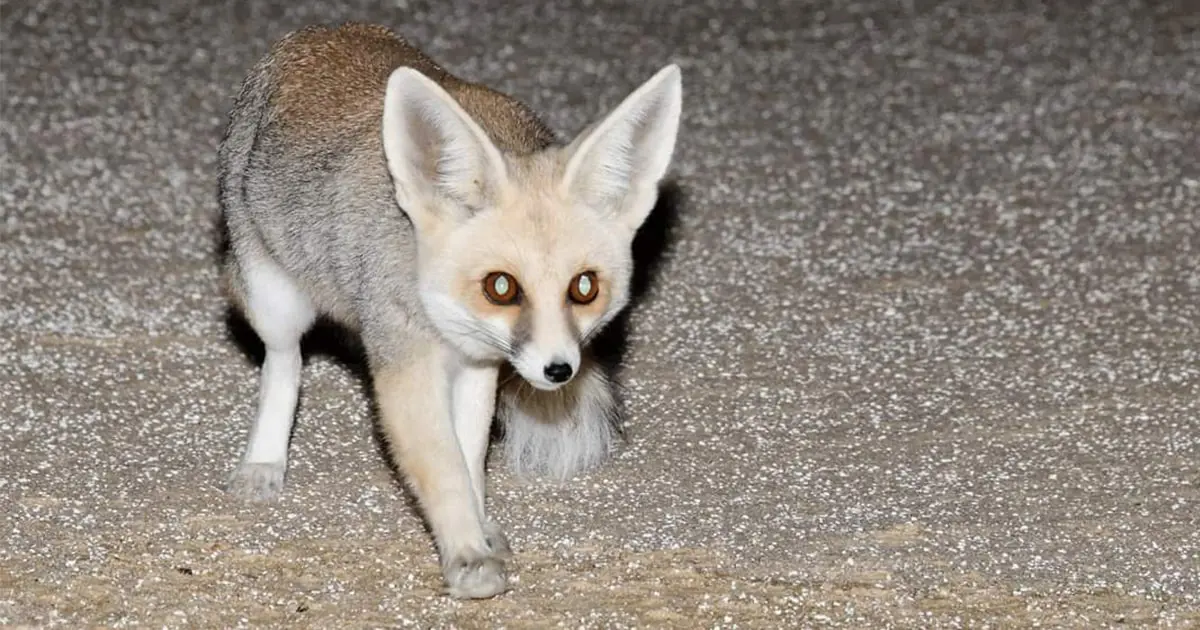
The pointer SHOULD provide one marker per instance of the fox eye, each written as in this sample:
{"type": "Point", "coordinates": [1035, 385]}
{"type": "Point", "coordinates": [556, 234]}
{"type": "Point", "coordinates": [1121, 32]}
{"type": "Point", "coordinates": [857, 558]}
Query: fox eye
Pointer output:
{"type": "Point", "coordinates": [584, 288]}
{"type": "Point", "coordinates": [501, 288]}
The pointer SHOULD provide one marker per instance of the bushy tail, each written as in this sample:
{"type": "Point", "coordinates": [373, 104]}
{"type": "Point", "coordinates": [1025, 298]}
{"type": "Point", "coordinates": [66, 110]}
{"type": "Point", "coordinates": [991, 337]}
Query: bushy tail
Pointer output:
{"type": "Point", "coordinates": [559, 434]}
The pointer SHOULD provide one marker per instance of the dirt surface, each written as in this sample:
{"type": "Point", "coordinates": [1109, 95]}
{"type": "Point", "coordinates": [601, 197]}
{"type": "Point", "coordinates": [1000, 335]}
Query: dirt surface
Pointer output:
{"type": "Point", "coordinates": [921, 351]}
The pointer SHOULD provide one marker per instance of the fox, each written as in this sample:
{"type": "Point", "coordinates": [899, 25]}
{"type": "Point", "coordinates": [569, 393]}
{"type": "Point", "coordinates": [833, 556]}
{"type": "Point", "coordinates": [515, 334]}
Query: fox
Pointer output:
{"type": "Point", "coordinates": [461, 239]}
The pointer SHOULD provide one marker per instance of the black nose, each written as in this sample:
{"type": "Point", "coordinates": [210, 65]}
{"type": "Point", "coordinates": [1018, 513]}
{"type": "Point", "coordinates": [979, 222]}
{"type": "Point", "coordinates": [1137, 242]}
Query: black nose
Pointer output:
{"type": "Point", "coordinates": [558, 372]}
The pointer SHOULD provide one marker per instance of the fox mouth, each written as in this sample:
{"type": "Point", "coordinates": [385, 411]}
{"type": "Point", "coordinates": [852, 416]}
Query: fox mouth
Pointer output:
{"type": "Point", "coordinates": [542, 384]}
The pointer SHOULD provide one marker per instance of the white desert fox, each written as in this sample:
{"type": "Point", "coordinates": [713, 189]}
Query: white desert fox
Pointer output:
{"type": "Point", "coordinates": [455, 233]}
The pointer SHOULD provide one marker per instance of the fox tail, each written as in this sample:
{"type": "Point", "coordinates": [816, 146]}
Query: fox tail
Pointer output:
{"type": "Point", "coordinates": [561, 433]}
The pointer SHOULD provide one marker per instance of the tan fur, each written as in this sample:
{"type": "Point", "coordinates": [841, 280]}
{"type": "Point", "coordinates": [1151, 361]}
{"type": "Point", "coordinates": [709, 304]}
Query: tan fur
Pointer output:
{"type": "Point", "coordinates": [331, 81]}
{"type": "Point", "coordinates": [541, 247]}
{"type": "Point", "coordinates": [407, 402]}
{"type": "Point", "coordinates": [414, 406]}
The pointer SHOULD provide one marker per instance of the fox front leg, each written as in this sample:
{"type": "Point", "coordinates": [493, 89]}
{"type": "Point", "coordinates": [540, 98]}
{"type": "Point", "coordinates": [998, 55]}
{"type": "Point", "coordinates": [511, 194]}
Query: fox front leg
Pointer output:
{"type": "Point", "coordinates": [414, 399]}
{"type": "Point", "coordinates": [473, 405]}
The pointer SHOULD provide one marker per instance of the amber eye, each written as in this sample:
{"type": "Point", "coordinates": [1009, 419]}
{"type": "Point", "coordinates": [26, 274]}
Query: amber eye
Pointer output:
{"type": "Point", "coordinates": [584, 288]}
{"type": "Point", "coordinates": [501, 288]}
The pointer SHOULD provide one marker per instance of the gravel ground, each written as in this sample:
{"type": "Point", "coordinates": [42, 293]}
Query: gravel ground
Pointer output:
{"type": "Point", "coordinates": [923, 349]}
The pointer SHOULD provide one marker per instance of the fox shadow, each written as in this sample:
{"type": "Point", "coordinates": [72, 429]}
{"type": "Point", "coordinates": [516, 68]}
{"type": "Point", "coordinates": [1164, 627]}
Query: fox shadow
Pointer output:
{"type": "Point", "coordinates": [653, 240]}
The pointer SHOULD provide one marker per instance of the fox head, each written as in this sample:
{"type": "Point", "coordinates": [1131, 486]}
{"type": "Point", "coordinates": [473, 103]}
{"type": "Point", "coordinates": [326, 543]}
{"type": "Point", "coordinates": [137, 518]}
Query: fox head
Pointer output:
{"type": "Point", "coordinates": [524, 258]}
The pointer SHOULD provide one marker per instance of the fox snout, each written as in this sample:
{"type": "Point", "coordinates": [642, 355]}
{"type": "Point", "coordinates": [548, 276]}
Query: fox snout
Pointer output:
{"type": "Point", "coordinates": [547, 376]}
{"type": "Point", "coordinates": [549, 357]}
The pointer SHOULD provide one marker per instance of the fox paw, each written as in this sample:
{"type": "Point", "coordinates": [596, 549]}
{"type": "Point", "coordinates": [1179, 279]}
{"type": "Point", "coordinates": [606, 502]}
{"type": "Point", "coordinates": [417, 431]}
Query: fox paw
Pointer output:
{"type": "Point", "coordinates": [257, 481]}
{"type": "Point", "coordinates": [476, 575]}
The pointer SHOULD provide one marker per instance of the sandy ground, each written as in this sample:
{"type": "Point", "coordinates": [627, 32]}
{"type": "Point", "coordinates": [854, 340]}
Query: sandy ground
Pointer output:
{"type": "Point", "coordinates": [921, 349]}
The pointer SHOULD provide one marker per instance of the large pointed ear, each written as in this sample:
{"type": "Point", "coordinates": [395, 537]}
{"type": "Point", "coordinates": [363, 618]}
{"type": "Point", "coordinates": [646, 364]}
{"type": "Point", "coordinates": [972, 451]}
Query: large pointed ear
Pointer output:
{"type": "Point", "coordinates": [616, 166]}
{"type": "Point", "coordinates": [442, 163]}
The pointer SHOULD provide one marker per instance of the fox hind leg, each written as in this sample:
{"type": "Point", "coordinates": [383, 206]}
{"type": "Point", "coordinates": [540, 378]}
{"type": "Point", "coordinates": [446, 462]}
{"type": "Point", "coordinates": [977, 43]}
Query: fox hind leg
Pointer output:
{"type": "Point", "coordinates": [280, 314]}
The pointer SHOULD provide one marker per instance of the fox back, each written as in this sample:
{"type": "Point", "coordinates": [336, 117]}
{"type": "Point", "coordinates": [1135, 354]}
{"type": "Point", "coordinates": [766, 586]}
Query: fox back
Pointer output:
{"type": "Point", "coordinates": [303, 177]}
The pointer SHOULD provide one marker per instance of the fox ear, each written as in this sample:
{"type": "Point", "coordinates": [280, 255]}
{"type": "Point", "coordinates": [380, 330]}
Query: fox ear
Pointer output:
{"type": "Point", "coordinates": [616, 165]}
{"type": "Point", "coordinates": [440, 160]}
